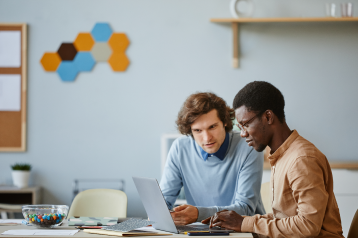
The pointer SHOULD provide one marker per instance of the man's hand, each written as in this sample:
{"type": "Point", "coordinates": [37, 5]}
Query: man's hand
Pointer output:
{"type": "Point", "coordinates": [185, 214]}
{"type": "Point", "coordinates": [227, 219]}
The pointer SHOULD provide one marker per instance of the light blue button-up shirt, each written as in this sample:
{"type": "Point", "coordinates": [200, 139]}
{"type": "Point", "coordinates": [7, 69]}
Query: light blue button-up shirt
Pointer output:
{"type": "Point", "coordinates": [213, 185]}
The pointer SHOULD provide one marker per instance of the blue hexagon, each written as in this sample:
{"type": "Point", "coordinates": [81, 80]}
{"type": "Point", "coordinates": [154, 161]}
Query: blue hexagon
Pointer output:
{"type": "Point", "coordinates": [67, 71]}
{"type": "Point", "coordinates": [84, 61]}
{"type": "Point", "coordinates": [101, 32]}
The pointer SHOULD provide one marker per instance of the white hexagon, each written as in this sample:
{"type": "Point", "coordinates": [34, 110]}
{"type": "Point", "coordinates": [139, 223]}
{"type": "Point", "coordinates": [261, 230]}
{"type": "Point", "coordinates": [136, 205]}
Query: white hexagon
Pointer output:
{"type": "Point", "coordinates": [101, 51]}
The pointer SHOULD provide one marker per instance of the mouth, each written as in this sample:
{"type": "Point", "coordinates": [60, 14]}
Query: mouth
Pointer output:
{"type": "Point", "coordinates": [210, 144]}
{"type": "Point", "coordinates": [249, 142]}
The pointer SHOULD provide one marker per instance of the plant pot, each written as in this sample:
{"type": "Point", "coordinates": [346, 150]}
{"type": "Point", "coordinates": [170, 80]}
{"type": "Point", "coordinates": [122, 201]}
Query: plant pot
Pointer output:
{"type": "Point", "coordinates": [20, 178]}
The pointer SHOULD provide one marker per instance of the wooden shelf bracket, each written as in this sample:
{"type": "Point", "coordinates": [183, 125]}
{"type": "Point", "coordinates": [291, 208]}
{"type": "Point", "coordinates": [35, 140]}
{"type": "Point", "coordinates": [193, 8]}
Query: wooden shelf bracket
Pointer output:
{"type": "Point", "coordinates": [236, 43]}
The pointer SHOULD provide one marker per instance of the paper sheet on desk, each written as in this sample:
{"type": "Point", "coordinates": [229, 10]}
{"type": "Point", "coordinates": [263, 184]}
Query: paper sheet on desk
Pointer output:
{"type": "Point", "coordinates": [147, 228]}
{"type": "Point", "coordinates": [40, 232]}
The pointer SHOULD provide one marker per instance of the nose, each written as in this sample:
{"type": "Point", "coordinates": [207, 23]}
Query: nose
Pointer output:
{"type": "Point", "coordinates": [207, 136]}
{"type": "Point", "coordinates": [244, 134]}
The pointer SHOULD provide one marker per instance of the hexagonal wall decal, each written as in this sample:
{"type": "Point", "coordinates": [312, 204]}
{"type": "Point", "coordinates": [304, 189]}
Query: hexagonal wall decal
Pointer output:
{"type": "Point", "coordinates": [101, 51]}
{"type": "Point", "coordinates": [99, 45]}
{"type": "Point", "coordinates": [67, 51]}
{"type": "Point", "coordinates": [67, 71]}
{"type": "Point", "coordinates": [84, 42]}
{"type": "Point", "coordinates": [50, 61]}
{"type": "Point", "coordinates": [118, 61]}
{"type": "Point", "coordinates": [101, 32]}
{"type": "Point", "coordinates": [84, 61]}
{"type": "Point", "coordinates": [118, 42]}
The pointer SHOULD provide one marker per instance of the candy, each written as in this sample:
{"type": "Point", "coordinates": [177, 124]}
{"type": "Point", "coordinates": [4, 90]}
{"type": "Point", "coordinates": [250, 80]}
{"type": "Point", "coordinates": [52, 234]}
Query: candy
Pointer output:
{"type": "Point", "coordinates": [45, 220]}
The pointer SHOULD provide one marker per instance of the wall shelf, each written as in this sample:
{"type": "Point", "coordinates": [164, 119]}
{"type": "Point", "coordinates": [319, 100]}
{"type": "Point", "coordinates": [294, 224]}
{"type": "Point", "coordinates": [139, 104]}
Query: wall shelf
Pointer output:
{"type": "Point", "coordinates": [236, 21]}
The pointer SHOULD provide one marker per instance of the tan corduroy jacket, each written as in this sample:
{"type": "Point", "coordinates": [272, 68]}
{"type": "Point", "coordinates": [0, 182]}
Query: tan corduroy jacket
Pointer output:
{"type": "Point", "coordinates": [303, 201]}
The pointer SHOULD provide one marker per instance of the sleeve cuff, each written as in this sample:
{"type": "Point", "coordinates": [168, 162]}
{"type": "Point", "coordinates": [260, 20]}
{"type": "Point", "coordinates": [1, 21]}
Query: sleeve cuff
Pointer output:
{"type": "Point", "coordinates": [205, 212]}
{"type": "Point", "coordinates": [248, 224]}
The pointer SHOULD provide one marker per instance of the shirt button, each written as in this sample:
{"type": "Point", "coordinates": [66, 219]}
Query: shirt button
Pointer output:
{"type": "Point", "coordinates": [272, 189]}
{"type": "Point", "coordinates": [273, 167]}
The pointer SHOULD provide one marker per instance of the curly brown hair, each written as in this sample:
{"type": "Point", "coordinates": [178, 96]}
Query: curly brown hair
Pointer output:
{"type": "Point", "coordinates": [201, 103]}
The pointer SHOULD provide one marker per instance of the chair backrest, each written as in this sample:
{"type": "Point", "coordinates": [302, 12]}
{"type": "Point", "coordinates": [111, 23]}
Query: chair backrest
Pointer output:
{"type": "Point", "coordinates": [265, 197]}
{"type": "Point", "coordinates": [353, 230]}
{"type": "Point", "coordinates": [80, 185]}
{"type": "Point", "coordinates": [99, 203]}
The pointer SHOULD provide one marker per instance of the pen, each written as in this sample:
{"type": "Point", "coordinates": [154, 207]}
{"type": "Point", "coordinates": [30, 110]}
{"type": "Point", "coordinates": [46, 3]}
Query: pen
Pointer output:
{"type": "Point", "coordinates": [185, 233]}
{"type": "Point", "coordinates": [208, 234]}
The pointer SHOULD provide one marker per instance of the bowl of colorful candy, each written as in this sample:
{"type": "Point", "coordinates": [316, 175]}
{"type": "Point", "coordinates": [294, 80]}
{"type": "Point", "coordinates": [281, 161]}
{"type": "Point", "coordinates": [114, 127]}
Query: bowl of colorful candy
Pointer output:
{"type": "Point", "coordinates": [45, 216]}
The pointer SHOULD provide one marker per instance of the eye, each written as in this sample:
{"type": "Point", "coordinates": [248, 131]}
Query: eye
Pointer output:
{"type": "Point", "coordinates": [196, 130]}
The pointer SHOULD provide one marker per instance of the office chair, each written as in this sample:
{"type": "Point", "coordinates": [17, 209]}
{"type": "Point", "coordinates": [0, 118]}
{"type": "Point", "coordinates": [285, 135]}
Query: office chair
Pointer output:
{"type": "Point", "coordinates": [353, 230]}
{"type": "Point", "coordinates": [99, 203]}
{"type": "Point", "coordinates": [265, 197]}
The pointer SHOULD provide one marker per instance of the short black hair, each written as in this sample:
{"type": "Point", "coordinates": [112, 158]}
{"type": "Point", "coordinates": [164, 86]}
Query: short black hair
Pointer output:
{"type": "Point", "coordinates": [259, 96]}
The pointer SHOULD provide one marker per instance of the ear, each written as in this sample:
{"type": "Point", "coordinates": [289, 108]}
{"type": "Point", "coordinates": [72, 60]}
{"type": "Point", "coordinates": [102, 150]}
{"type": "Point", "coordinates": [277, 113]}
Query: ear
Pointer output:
{"type": "Point", "coordinates": [269, 116]}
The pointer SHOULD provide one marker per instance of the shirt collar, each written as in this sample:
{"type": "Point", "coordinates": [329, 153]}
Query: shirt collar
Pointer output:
{"type": "Point", "coordinates": [220, 153]}
{"type": "Point", "coordinates": [277, 154]}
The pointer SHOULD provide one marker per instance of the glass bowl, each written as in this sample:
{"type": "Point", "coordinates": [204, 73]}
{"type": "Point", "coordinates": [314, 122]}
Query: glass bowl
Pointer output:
{"type": "Point", "coordinates": [45, 216]}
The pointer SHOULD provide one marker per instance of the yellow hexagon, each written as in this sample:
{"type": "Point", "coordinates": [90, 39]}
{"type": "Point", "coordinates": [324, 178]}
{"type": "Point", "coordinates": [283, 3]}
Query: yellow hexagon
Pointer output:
{"type": "Point", "coordinates": [118, 42]}
{"type": "Point", "coordinates": [84, 42]}
{"type": "Point", "coordinates": [118, 61]}
{"type": "Point", "coordinates": [50, 61]}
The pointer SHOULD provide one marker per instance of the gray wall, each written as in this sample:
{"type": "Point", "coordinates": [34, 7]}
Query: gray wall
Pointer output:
{"type": "Point", "coordinates": [108, 125]}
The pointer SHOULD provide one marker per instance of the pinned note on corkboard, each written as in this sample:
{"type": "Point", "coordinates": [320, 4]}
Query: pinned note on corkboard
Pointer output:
{"type": "Point", "coordinates": [13, 91]}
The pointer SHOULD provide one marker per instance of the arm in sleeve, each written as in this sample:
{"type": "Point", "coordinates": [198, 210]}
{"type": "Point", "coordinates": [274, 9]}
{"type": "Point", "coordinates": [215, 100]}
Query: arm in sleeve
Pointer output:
{"type": "Point", "coordinates": [306, 178]}
{"type": "Point", "coordinates": [247, 194]}
{"type": "Point", "coordinates": [171, 181]}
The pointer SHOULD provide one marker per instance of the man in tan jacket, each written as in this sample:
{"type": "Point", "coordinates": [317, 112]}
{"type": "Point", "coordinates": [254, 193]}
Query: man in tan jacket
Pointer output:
{"type": "Point", "coordinates": [303, 201]}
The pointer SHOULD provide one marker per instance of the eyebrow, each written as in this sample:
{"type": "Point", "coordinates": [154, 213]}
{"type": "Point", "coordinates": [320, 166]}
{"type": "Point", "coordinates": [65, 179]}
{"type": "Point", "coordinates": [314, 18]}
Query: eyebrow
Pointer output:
{"type": "Point", "coordinates": [216, 123]}
{"type": "Point", "coordinates": [240, 122]}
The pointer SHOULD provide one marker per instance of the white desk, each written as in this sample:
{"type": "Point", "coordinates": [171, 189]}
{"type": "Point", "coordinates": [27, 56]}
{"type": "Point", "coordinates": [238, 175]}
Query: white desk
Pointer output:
{"type": "Point", "coordinates": [87, 235]}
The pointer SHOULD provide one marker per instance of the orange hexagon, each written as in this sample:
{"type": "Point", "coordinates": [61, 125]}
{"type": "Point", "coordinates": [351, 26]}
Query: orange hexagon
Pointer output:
{"type": "Point", "coordinates": [50, 61]}
{"type": "Point", "coordinates": [118, 61]}
{"type": "Point", "coordinates": [84, 42]}
{"type": "Point", "coordinates": [118, 42]}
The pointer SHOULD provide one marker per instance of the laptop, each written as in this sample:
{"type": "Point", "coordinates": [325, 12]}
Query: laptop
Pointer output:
{"type": "Point", "coordinates": [157, 209]}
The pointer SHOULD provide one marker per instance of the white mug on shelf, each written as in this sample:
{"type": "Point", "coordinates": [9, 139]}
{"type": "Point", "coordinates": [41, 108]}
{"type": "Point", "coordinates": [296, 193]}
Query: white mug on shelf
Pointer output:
{"type": "Point", "coordinates": [241, 8]}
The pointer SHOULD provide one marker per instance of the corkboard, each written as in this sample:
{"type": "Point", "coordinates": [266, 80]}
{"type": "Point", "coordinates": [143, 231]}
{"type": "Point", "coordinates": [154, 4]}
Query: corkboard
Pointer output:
{"type": "Point", "coordinates": [13, 123]}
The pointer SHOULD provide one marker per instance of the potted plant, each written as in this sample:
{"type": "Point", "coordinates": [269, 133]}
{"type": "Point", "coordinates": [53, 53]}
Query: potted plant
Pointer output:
{"type": "Point", "coordinates": [20, 174]}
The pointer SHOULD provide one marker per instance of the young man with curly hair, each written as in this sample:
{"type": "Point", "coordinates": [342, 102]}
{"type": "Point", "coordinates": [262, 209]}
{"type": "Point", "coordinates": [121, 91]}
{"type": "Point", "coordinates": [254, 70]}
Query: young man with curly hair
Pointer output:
{"type": "Point", "coordinates": [303, 201]}
{"type": "Point", "coordinates": [216, 167]}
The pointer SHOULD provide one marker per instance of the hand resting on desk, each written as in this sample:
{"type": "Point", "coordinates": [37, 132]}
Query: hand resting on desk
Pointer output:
{"type": "Point", "coordinates": [226, 219]}
{"type": "Point", "coordinates": [185, 214]}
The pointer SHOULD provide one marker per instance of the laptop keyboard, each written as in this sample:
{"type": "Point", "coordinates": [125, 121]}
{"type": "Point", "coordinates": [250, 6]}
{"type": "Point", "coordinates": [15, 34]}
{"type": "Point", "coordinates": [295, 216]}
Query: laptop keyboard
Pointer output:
{"type": "Point", "coordinates": [182, 228]}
